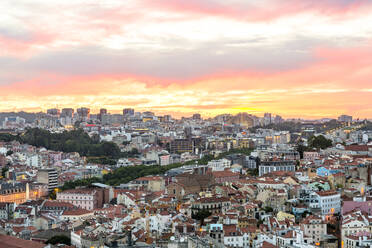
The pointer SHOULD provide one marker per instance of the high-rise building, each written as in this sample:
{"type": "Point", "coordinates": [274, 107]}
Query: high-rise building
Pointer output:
{"type": "Point", "coordinates": [345, 118]}
{"type": "Point", "coordinates": [278, 119]}
{"type": "Point", "coordinates": [182, 145]}
{"type": "Point", "coordinates": [67, 112]}
{"type": "Point", "coordinates": [48, 176]}
{"type": "Point", "coordinates": [83, 113]}
{"type": "Point", "coordinates": [167, 118]}
{"type": "Point", "coordinates": [102, 112]}
{"type": "Point", "coordinates": [196, 116]}
{"type": "Point", "coordinates": [128, 112]}
{"type": "Point", "coordinates": [53, 111]}
{"type": "Point", "coordinates": [267, 118]}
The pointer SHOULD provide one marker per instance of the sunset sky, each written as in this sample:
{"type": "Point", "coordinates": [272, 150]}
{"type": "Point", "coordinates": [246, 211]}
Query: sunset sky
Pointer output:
{"type": "Point", "coordinates": [296, 58]}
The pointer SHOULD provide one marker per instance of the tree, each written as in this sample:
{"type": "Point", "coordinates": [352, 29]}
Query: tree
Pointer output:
{"type": "Point", "coordinates": [201, 215]}
{"type": "Point", "coordinates": [3, 171]}
{"type": "Point", "coordinates": [59, 239]}
{"type": "Point", "coordinates": [8, 153]}
{"type": "Point", "coordinates": [339, 186]}
{"type": "Point", "coordinates": [319, 142]}
{"type": "Point", "coordinates": [268, 209]}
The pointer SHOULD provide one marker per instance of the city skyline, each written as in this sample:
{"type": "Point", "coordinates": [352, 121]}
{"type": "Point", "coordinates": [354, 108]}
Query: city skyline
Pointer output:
{"type": "Point", "coordinates": [299, 59]}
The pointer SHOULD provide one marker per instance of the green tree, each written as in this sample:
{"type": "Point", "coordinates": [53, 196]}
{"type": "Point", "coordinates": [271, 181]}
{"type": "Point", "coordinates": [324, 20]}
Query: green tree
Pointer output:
{"type": "Point", "coordinates": [319, 142]}
{"type": "Point", "coordinates": [268, 209]}
{"type": "Point", "coordinates": [201, 215]}
{"type": "Point", "coordinates": [59, 239]}
{"type": "Point", "coordinates": [3, 171]}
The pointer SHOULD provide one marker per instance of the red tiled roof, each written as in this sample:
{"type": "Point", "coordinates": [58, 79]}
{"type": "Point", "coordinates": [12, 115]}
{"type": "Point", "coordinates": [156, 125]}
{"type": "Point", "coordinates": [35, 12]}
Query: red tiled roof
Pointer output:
{"type": "Point", "coordinates": [13, 242]}
{"type": "Point", "coordinates": [76, 212]}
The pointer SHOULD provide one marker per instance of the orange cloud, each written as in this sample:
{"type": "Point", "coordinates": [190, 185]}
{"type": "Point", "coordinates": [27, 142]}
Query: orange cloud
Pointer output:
{"type": "Point", "coordinates": [328, 87]}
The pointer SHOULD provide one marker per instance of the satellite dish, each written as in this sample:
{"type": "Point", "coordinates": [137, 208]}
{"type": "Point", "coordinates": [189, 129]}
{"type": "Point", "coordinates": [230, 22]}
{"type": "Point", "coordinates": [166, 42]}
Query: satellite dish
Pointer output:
{"type": "Point", "coordinates": [172, 238]}
{"type": "Point", "coordinates": [182, 239]}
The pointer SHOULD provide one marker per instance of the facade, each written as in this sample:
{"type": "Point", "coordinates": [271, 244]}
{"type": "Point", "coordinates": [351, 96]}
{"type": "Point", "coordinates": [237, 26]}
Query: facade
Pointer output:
{"type": "Point", "coordinates": [313, 226]}
{"type": "Point", "coordinates": [54, 112]}
{"type": "Point", "coordinates": [219, 165]}
{"type": "Point", "coordinates": [328, 202]}
{"type": "Point", "coordinates": [48, 176]}
{"type": "Point", "coordinates": [6, 210]}
{"type": "Point", "coordinates": [354, 223]}
{"type": "Point", "coordinates": [211, 204]}
{"type": "Point", "coordinates": [272, 166]}
{"type": "Point", "coordinates": [18, 193]}
{"type": "Point", "coordinates": [345, 118]}
{"type": "Point", "coordinates": [88, 199]}
{"type": "Point", "coordinates": [83, 113]}
{"type": "Point", "coordinates": [181, 146]}
{"type": "Point", "coordinates": [128, 112]}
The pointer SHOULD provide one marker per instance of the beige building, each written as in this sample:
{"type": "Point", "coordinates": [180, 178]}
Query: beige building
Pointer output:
{"type": "Point", "coordinates": [314, 227]}
{"type": "Point", "coordinates": [353, 223]}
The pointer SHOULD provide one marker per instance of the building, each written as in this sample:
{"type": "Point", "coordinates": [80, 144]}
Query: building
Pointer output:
{"type": "Point", "coordinates": [128, 112]}
{"type": "Point", "coordinates": [102, 112]}
{"type": "Point", "coordinates": [19, 193]}
{"type": "Point", "coordinates": [84, 113]}
{"type": "Point", "coordinates": [14, 242]}
{"type": "Point", "coordinates": [267, 119]}
{"type": "Point", "coordinates": [221, 177]}
{"type": "Point", "coordinates": [313, 226]}
{"type": "Point", "coordinates": [215, 205]}
{"type": "Point", "coordinates": [353, 223]}
{"type": "Point", "coordinates": [48, 176]}
{"type": "Point", "coordinates": [2, 160]}
{"type": "Point", "coordinates": [88, 199]}
{"type": "Point", "coordinates": [196, 117]}
{"type": "Point", "coordinates": [271, 166]}
{"type": "Point", "coordinates": [54, 112]}
{"type": "Point", "coordinates": [13, 122]}
{"type": "Point", "coordinates": [181, 146]}
{"type": "Point", "coordinates": [219, 165]}
{"type": "Point", "coordinates": [327, 202]}
{"type": "Point", "coordinates": [107, 119]}
{"type": "Point", "coordinates": [250, 162]}
{"type": "Point", "coordinates": [67, 112]}
{"type": "Point", "coordinates": [151, 183]}
{"type": "Point", "coordinates": [6, 210]}
{"type": "Point", "coordinates": [345, 118]}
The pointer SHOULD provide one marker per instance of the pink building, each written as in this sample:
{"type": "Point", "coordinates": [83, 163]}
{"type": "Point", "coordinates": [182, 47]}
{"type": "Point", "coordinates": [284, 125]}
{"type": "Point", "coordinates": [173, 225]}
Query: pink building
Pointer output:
{"type": "Point", "coordinates": [225, 176]}
{"type": "Point", "coordinates": [311, 156]}
{"type": "Point", "coordinates": [88, 199]}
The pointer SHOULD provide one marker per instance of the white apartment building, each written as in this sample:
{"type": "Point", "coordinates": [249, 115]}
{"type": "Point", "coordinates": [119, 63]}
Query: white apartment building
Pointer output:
{"type": "Point", "coordinates": [219, 165]}
{"type": "Point", "coordinates": [329, 202]}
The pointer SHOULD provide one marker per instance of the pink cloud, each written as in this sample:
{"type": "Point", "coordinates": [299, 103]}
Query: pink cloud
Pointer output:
{"type": "Point", "coordinates": [266, 11]}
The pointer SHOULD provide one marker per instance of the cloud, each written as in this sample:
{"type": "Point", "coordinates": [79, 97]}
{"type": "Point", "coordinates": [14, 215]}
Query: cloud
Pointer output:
{"type": "Point", "coordinates": [211, 56]}
{"type": "Point", "coordinates": [263, 10]}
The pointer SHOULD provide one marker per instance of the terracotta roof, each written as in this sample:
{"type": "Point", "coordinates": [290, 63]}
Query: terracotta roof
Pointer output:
{"type": "Point", "coordinates": [13, 242]}
{"type": "Point", "coordinates": [266, 244]}
{"type": "Point", "coordinates": [357, 148]}
{"type": "Point", "coordinates": [76, 212]}
{"type": "Point", "coordinates": [327, 193]}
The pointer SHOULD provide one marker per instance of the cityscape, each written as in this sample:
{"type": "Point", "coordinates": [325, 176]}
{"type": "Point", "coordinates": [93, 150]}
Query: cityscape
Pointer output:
{"type": "Point", "coordinates": [137, 179]}
{"type": "Point", "coordinates": [186, 124]}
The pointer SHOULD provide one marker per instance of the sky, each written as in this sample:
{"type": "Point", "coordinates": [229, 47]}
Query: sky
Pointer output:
{"type": "Point", "coordinates": [295, 58]}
